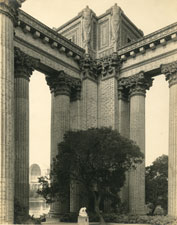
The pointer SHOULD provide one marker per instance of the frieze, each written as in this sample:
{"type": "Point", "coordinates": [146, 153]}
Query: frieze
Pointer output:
{"type": "Point", "coordinates": [24, 64]}
{"type": "Point", "coordinates": [135, 85]}
{"type": "Point", "coordinates": [62, 84]}
{"type": "Point", "coordinates": [170, 71]}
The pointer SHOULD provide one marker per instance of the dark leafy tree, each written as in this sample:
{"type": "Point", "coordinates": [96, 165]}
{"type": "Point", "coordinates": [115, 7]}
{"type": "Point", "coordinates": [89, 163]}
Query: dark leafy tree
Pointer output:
{"type": "Point", "coordinates": [157, 183]}
{"type": "Point", "coordinates": [97, 158]}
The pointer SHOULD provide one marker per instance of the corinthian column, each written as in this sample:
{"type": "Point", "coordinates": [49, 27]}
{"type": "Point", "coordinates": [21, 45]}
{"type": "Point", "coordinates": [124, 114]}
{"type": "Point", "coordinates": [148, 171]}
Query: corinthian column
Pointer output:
{"type": "Point", "coordinates": [124, 130]}
{"type": "Point", "coordinates": [23, 69]}
{"type": "Point", "coordinates": [61, 86]}
{"type": "Point", "coordinates": [137, 84]}
{"type": "Point", "coordinates": [170, 70]}
{"type": "Point", "coordinates": [7, 18]}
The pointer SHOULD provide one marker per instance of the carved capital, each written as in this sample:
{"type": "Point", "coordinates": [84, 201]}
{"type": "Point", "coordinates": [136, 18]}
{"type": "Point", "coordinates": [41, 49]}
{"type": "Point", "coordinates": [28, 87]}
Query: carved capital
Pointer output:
{"type": "Point", "coordinates": [136, 84]}
{"type": "Point", "coordinates": [170, 71]}
{"type": "Point", "coordinates": [89, 67]}
{"type": "Point", "coordinates": [10, 7]}
{"type": "Point", "coordinates": [109, 66]}
{"type": "Point", "coordinates": [24, 64]}
{"type": "Point", "coordinates": [63, 84]}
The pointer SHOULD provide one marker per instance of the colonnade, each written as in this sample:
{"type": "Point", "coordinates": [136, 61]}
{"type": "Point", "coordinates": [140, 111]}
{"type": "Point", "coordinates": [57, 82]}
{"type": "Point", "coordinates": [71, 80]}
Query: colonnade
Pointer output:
{"type": "Point", "coordinates": [66, 100]}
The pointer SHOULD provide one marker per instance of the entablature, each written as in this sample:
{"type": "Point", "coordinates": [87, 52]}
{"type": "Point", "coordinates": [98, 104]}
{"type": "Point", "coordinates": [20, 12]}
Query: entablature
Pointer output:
{"type": "Point", "coordinates": [46, 34]}
{"type": "Point", "coordinates": [150, 41]}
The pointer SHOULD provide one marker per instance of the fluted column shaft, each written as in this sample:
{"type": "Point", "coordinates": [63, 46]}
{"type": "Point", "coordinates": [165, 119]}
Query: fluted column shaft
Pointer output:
{"type": "Point", "coordinates": [136, 87]}
{"type": "Point", "coordinates": [7, 11]}
{"type": "Point", "coordinates": [75, 125]}
{"type": "Point", "coordinates": [124, 130]}
{"type": "Point", "coordinates": [23, 70]}
{"type": "Point", "coordinates": [61, 86]}
{"type": "Point", "coordinates": [137, 134]}
{"type": "Point", "coordinates": [170, 70]}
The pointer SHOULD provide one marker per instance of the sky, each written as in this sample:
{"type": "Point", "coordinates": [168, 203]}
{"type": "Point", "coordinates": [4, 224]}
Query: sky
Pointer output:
{"type": "Point", "coordinates": [147, 15]}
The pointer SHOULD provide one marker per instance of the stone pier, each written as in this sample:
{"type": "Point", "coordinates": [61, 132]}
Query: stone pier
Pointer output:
{"type": "Point", "coordinates": [170, 70]}
{"type": "Point", "coordinates": [7, 19]}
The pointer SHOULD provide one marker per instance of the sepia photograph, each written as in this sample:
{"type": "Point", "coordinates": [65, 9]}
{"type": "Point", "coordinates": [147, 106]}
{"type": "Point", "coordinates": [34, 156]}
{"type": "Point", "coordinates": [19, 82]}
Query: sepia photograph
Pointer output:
{"type": "Point", "coordinates": [88, 112]}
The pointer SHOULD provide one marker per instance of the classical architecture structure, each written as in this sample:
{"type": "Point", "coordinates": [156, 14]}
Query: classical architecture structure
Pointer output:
{"type": "Point", "coordinates": [101, 83]}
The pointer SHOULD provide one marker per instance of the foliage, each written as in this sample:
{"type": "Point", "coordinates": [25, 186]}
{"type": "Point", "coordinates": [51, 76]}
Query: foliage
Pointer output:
{"type": "Point", "coordinates": [157, 183]}
{"type": "Point", "coordinates": [97, 158]}
{"type": "Point", "coordinates": [20, 215]}
{"type": "Point", "coordinates": [121, 218]}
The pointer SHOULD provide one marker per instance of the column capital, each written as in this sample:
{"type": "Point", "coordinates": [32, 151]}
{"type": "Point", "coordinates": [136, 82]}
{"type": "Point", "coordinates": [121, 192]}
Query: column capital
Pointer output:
{"type": "Point", "coordinates": [24, 64]}
{"type": "Point", "coordinates": [10, 7]}
{"type": "Point", "coordinates": [170, 71]}
{"type": "Point", "coordinates": [109, 65]}
{"type": "Point", "coordinates": [136, 84]}
{"type": "Point", "coordinates": [62, 84]}
{"type": "Point", "coordinates": [89, 68]}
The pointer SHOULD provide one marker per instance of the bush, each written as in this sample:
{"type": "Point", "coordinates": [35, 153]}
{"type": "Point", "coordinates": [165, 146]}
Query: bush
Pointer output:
{"type": "Point", "coordinates": [69, 217]}
{"type": "Point", "coordinates": [130, 219]}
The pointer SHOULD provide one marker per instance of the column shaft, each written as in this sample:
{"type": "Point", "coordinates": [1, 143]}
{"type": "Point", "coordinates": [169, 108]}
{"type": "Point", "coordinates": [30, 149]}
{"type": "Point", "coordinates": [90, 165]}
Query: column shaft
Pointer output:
{"type": "Point", "coordinates": [74, 125]}
{"type": "Point", "coordinates": [22, 142]}
{"type": "Point", "coordinates": [60, 124]}
{"type": "Point", "coordinates": [124, 130]}
{"type": "Point", "coordinates": [6, 119]}
{"type": "Point", "coordinates": [170, 70]}
{"type": "Point", "coordinates": [137, 134]}
{"type": "Point", "coordinates": [172, 169]}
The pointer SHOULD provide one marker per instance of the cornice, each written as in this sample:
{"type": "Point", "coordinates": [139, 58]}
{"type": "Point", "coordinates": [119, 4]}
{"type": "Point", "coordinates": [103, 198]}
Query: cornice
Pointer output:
{"type": "Point", "coordinates": [150, 41]}
{"type": "Point", "coordinates": [170, 71]}
{"type": "Point", "coordinates": [46, 34]}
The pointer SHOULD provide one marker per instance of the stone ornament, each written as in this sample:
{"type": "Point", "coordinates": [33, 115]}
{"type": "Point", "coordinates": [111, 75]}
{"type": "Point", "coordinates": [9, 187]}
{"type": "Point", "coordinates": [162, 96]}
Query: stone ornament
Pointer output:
{"type": "Point", "coordinates": [86, 21]}
{"type": "Point", "coordinates": [136, 84]}
{"type": "Point", "coordinates": [9, 7]}
{"type": "Point", "coordinates": [24, 64]}
{"type": "Point", "coordinates": [89, 67]}
{"type": "Point", "coordinates": [170, 71]}
{"type": "Point", "coordinates": [115, 23]}
{"type": "Point", "coordinates": [82, 212]}
{"type": "Point", "coordinates": [106, 66]}
{"type": "Point", "coordinates": [63, 84]}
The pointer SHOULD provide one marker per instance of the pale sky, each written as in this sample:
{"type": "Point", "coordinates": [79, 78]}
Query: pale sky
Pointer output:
{"type": "Point", "coordinates": [149, 16]}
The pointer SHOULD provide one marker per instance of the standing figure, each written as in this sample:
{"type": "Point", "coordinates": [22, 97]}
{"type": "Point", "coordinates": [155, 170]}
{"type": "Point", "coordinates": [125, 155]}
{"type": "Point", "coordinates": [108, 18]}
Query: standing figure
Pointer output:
{"type": "Point", "coordinates": [115, 25]}
{"type": "Point", "coordinates": [87, 17]}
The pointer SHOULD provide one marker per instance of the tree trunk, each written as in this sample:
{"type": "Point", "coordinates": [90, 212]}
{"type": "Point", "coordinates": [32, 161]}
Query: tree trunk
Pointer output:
{"type": "Point", "coordinates": [97, 208]}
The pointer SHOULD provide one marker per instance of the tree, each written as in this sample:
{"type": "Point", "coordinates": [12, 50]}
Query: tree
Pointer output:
{"type": "Point", "coordinates": [157, 183]}
{"type": "Point", "coordinates": [97, 158]}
